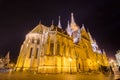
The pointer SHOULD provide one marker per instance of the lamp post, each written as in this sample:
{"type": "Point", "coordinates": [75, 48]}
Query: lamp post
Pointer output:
{"type": "Point", "coordinates": [70, 64]}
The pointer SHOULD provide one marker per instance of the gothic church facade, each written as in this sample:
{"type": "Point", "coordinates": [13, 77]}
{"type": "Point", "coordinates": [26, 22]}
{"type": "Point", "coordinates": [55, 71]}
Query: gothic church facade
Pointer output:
{"type": "Point", "coordinates": [54, 50]}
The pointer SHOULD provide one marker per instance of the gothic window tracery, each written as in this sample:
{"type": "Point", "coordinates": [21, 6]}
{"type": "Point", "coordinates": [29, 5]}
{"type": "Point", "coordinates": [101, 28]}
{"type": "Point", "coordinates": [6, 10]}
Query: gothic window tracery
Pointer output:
{"type": "Point", "coordinates": [58, 48]}
{"type": "Point", "coordinates": [51, 48]}
{"type": "Point", "coordinates": [32, 40]}
{"type": "Point", "coordinates": [64, 49]}
{"type": "Point", "coordinates": [31, 50]}
{"type": "Point", "coordinates": [36, 52]}
{"type": "Point", "coordinates": [38, 41]}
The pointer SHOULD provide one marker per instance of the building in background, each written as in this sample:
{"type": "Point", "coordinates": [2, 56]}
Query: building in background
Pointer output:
{"type": "Point", "coordinates": [117, 56]}
{"type": "Point", "coordinates": [4, 61]}
{"type": "Point", "coordinates": [54, 50]}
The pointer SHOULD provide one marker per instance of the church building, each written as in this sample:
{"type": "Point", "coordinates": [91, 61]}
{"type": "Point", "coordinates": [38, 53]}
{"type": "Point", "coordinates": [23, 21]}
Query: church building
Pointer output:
{"type": "Point", "coordinates": [51, 49]}
{"type": "Point", "coordinates": [4, 61]}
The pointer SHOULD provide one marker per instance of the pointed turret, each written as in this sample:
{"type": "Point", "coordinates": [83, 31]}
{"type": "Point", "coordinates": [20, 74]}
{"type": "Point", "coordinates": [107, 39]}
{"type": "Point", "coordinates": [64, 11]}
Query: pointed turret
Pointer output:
{"type": "Point", "coordinates": [68, 25]}
{"type": "Point", "coordinates": [83, 28]}
{"type": "Point", "coordinates": [79, 34]}
{"type": "Point", "coordinates": [72, 19]}
{"type": "Point", "coordinates": [94, 41]}
{"type": "Point", "coordinates": [84, 33]}
{"type": "Point", "coordinates": [104, 52]}
{"type": "Point", "coordinates": [73, 25]}
{"type": "Point", "coordinates": [95, 46]}
{"type": "Point", "coordinates": [59, 23]}
{"type": "Point", "coordinates": [52, 22]}
{"type": "Point", "coordinates": [8, 55]}
{"type": "Point", "coordinates": [52, 26]}
{"type": "Point", "coordinates": [7, 58]}
{"type": "Point", "coordinates": [69, 30]}
{"type": "Point", "coordinates": [40, 22]}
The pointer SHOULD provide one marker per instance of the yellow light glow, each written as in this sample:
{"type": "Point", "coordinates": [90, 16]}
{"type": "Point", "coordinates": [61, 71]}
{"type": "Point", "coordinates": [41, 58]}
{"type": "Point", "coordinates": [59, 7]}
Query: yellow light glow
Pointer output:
{"type": "Point", "coordinates": [97, 61]}
{"type": "Point", "coordinates": [70, 59]}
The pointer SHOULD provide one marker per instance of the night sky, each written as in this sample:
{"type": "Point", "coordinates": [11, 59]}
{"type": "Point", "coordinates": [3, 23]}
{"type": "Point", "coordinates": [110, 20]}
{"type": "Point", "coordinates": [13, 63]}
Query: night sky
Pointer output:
{"type": "Point", "coordinates": [100, 17]}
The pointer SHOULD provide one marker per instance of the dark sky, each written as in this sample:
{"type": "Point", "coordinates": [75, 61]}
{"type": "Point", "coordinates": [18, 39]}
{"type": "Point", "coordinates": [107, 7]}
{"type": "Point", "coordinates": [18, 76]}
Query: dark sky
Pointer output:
{"type": "Point", "coordinates": [18, 17]}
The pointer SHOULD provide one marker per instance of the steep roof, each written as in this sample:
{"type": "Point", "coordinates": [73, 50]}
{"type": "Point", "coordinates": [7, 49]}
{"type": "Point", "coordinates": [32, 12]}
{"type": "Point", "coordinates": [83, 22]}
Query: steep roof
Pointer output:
{"type": "Point", "coordinates": [39, 28]}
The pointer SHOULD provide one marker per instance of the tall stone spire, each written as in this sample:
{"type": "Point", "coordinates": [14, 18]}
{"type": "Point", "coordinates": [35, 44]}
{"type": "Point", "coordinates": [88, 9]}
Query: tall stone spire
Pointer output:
{"type": "Point", "coordinates": [7, 58]}
{"type": "Point", "coordinates": [7, 55]}
{"type": "Point", "coordinates": [83, 27]}
{"type": "Point", "coordinates": [104, 52]}
{"type": "Point", "coordinates": [68, 25]}
{"type": "Point", "coordinates": [40, 22]}
{"type": "Point", "coordinates": [52, 22]}
{"type": "Point", "coordinates": [69, 30]}
{"type": "Point", "coordinates": [52, 26]}
{"type": "Point", "coordinates": [72, 19]}
{"type": "Point", "coordinates": [73, 25]}
{"type": "Point", "coordinates": [59, 23]}
{"type": "Point", "coordinates": [95, 43]}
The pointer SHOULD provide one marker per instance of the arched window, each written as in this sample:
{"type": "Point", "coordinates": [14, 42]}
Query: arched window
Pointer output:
{"type": "Point", "coordinates": [36, 53]}
{"type": "Point", "coordinates": [32, 40]}
{"type": "Point", "coordinates": [31, 50]}
{"type": "Point", "coordinates": [51, 48]}
{"type": "Point", "coordinates": [64, 49]}
{"type": "Point", "coordinates": [58, 49]}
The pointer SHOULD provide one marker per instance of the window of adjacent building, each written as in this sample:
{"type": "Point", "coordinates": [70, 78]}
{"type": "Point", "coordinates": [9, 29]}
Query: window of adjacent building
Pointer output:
{"type": "Point", "coordinates": [31, 50]}
{"type": "Point", "coordinates": [38, 41]}
{"type": "Point", "coordinates": [36, 52]}
{"type": "Point", "coordinates": [32, 40]}
{"type": "Point", "coordinates": [51, 48]}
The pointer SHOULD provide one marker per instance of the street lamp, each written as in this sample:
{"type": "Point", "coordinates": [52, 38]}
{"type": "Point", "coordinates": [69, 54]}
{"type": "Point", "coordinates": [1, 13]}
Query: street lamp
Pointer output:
{"type": "Point", "coordinates": [70, 64]}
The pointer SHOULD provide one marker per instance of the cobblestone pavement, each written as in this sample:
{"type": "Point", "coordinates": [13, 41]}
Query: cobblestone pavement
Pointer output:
{"type": "Point", "coordinates": [62, 76]}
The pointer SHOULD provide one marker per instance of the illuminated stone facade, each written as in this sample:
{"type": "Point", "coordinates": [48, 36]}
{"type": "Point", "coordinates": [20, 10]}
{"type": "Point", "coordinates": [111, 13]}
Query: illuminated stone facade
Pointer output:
{"type": "Point", "coordinates": [4, 61]}
{"type": "Point", "coordinates": [117, 55]}
{"type": "Point", "coordinates": [54, 50]}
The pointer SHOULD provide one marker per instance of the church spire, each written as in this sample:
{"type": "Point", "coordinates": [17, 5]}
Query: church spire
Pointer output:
{"type": "Point", "coordinates": [69, 30]}
{"type": "Point", "coordinates": [73, 24]}
{"type": "Point", "coordinates": [95, 43]}
{"type": "Point", "coordinates": [52, 22]}
{"type": "Point", "coordinates": [83, 27]}
{"type": "Point", "coordinates": [68, 25]}
{"type": "Point", "coordinates": [104, 52]}
{"type": "Point", "coordinates": [40, 22]}
{"type": "Point", "coordinates": [52, 26]}
{"type": "Point", "coordinates": [72, 18]}
{"type": "Point", "coordinates": [59, 23]}
{"type": "Point", "coordinates": [7, 58]}
{"type": "Point", "coordinates": [7, 55]}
